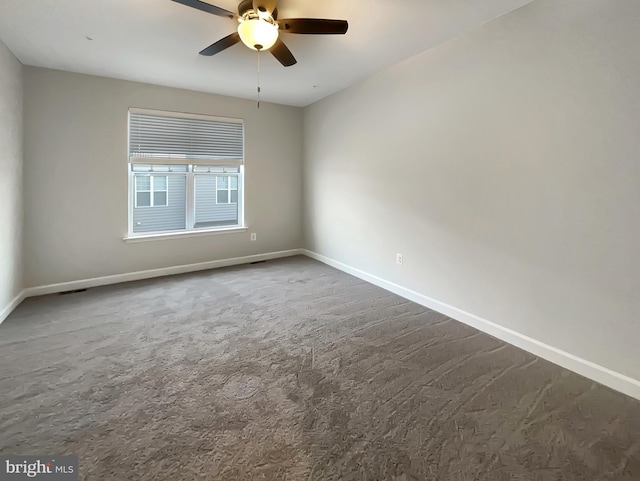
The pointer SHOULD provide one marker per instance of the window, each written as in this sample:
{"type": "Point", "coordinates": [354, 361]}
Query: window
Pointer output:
{"type": "Point", "coordinates": [185, 172]}
{"type": "Point", "coordinates": [151, 190]}
{"type": "Point", "coordinates": [226, 190]}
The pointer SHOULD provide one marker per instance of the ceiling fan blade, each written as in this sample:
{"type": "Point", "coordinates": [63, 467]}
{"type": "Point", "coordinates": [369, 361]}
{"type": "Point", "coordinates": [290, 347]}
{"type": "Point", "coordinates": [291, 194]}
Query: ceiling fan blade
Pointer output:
{"type": "Point", "coordinates": [283, 54]}
{"type": "Point", "coordinates": [207, 7]}
{"type": "Point", "coordinates": [265, 6]}
{"type": "Point", "coordinates": [221, 44]}
{"type": "Point", "coordinates": [313, 26]}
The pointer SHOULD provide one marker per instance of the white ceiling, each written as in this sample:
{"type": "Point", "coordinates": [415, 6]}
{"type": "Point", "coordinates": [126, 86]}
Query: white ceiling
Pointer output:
{"type": "Point", "coordinates": [157, 41]}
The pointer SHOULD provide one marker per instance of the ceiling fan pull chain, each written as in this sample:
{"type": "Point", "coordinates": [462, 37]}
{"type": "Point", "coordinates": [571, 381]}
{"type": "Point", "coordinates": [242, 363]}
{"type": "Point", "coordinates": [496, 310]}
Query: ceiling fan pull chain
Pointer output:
{"type": "Point", "coordinates": [258, 78]}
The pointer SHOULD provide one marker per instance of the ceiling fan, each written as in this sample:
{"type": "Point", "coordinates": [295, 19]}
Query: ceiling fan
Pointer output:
{"type": "Point", "coordinates": [259, 27]}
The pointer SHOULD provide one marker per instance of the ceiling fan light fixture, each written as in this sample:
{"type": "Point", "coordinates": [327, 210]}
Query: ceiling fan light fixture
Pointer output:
{"type": "Point", "coordinates": [258, 34]}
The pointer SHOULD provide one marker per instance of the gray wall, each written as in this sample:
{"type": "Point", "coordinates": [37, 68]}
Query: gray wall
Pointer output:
{"type": "Point", "coordinates": [505, 166]}
{"type": "Point", "coordinates": [11, 206]}
{"type": "Point", "coordinates": [76, 166]}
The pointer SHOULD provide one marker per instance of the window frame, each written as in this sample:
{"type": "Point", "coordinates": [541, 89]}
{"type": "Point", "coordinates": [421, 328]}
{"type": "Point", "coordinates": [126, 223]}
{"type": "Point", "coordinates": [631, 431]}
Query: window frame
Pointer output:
{"type": "Point", "coordinates": [190, 199]}
{"type": "Point", "coordinates": [190, 173]}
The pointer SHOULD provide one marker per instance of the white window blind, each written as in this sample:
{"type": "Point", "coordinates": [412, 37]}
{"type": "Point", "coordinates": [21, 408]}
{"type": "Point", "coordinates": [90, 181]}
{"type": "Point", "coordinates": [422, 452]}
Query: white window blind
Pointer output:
{"type": "Point", "coordinates": [163, 137]}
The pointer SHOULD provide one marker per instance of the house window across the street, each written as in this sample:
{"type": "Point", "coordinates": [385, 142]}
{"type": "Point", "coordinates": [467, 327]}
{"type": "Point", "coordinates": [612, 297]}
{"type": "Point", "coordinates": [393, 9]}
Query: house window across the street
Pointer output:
{"type": "Point", "coordinates": [227, 190]}
{"type": "Point", "coordinates": [151, 190]}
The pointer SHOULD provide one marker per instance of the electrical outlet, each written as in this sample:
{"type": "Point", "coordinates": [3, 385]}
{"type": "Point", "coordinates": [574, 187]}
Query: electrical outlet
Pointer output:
{"type": "Point", "coordinates": [399, 258]}
{"type": "Point", "coordinates": [253, 237]}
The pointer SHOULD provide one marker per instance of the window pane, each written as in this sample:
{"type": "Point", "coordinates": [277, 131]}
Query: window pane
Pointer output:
{"type": "Point", "coordinates": [143, 199]}
{"type": "Point", "coordinates": [143, 182]}
{"type": "Point", "coordinates": [159, 199]}
{"type": "Point", "coordinates": [169, 210]}
{"type": "Point", "coordinates": [159, 182]}
{"type": "Point", "coordinates": [160, 195]}
{"type": "Point", "coordinates": [223, 197]}
{"type": "Point", "coordinates": [210, 213]}
{"type": "Point", "coordinates": [223, 182]}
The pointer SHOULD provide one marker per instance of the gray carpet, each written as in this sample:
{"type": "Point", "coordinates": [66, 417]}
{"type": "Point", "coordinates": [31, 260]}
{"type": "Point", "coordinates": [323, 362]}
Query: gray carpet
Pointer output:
{"type": "Point", "coordinates": [291, 370]}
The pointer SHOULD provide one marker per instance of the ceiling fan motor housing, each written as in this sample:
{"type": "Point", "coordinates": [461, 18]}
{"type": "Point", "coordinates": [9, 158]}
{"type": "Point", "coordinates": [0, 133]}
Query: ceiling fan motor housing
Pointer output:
{"type": "Point", "coordinates": [247, 5]}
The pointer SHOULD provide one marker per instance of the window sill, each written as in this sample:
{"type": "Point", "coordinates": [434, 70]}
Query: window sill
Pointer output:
{"type": "Point", "coordinates": [180, 235]}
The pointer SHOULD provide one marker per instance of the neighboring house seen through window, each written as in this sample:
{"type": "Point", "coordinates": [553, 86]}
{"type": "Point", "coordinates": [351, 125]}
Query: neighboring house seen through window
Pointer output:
{"type": "Point", "coordinates": [185, 172]}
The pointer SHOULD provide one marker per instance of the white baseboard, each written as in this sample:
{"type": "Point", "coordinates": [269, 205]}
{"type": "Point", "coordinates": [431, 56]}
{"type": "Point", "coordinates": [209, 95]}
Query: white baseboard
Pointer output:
{"type": "Point", "coordinates": [148, 274]}
{"type": "Point", "coordinates": [588, 369]}
{"type": "Point", "coordinates": [4, 313]}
